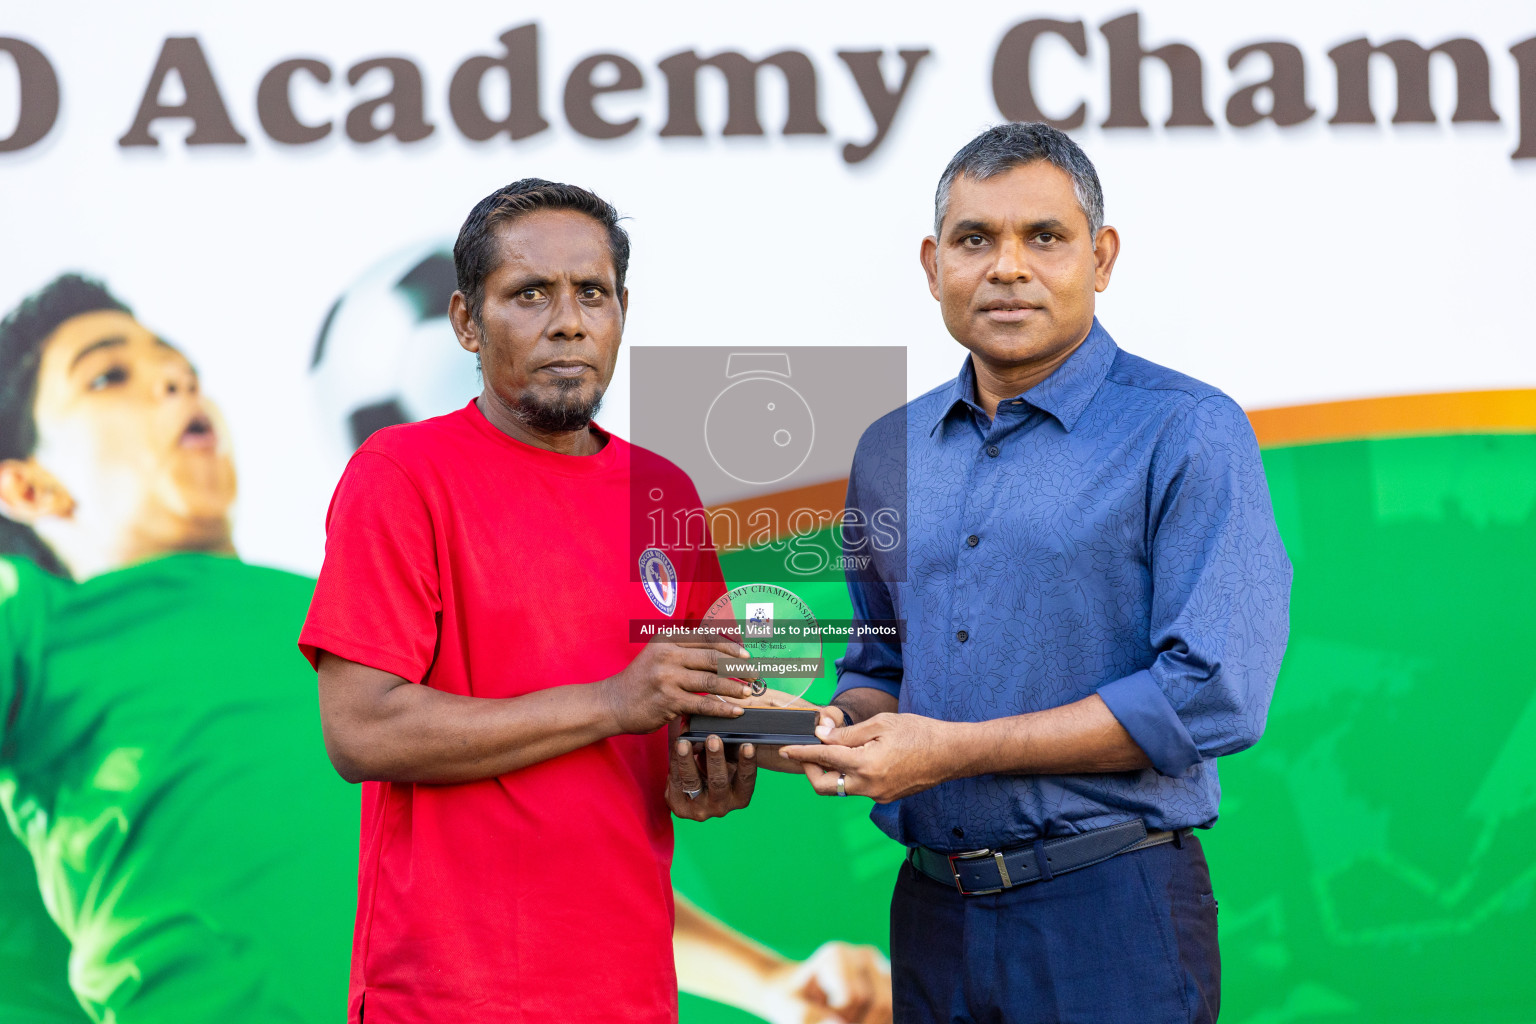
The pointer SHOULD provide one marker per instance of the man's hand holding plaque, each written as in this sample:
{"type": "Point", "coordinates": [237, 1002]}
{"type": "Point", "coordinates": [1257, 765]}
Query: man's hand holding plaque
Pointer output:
{"type": "Point", "coordinates": [783, 642]}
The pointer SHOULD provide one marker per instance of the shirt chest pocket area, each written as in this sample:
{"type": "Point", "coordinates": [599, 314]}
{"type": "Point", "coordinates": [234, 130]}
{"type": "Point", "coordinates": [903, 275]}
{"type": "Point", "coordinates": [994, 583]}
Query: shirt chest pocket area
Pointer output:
{"type": "Point", "coordinates": [559, 592]}
{"type": "Point", "coordinates": [1043, 541]}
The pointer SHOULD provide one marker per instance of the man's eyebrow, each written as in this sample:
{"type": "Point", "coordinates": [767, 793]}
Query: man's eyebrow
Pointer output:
{"type": "Point", "coordinates": [93, 346]}
{"type": "Point", "coordinates": [1048, 224]}
{"type": "Point", "coordinates": [188, 359]}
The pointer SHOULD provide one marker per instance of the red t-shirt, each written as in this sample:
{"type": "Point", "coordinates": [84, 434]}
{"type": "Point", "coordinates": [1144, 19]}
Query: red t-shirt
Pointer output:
{"type": "Point", "coordinates": [467, 561]}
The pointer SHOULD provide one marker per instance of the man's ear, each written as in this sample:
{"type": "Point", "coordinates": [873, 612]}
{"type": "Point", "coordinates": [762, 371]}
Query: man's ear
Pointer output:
{"type": "Point", "coordinates": [928, 255]}
{"type": "Point", "coordinates": [1105, 251]}
{"type": "Point", "coordinates": [464, 326]}
{"type": "Point", "coordinates": [29, 493]}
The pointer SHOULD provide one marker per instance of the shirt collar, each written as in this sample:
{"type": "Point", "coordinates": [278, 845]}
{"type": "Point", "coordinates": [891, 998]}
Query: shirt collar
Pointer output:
{"type": "Point", "coordinates": [1064, 394]}
{"type": "Point", "coordinates": [960, 394]}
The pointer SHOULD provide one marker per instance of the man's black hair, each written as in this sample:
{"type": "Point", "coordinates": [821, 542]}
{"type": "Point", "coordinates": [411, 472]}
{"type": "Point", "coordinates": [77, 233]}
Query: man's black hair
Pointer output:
{"type": "Point", "coordinates": [22, 335]}
{"type": "Point", "coordinates": [475, 255]}
{"type": "Point", "coordinates": [1003, 147]}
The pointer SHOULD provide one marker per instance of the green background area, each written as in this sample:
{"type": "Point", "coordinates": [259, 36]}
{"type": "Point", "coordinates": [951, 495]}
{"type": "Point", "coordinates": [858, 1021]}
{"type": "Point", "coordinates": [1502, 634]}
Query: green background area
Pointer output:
{"type": "Point", "coordinates": [1375, 860]}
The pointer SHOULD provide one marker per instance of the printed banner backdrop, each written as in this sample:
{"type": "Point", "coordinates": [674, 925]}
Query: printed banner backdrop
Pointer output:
{"type": "Point", "coordinates": [1326, 211]}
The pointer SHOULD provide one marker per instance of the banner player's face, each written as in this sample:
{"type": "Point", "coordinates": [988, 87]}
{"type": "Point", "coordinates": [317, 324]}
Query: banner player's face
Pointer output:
{"type": "Point", "coordinates": [123, 425]}
{"type": "Point", "coordinates": [553, 317]}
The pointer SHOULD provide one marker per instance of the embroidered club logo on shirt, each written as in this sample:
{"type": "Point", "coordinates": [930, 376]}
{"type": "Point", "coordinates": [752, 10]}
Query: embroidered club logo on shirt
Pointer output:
{"type": "Point", "coordinates": [659, 579]}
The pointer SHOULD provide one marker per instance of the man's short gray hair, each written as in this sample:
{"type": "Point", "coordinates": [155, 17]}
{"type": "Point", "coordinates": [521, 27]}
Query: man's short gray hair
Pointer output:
{"type": "Point", "coordinates": [1003, 147]}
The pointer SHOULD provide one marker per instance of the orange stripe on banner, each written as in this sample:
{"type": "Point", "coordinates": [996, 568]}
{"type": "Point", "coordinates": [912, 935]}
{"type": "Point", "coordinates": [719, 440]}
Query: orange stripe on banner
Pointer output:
{"type": "Point", "coordinates": [1460, 412]}
{"type": "Point", "coordinates": [824, 500]}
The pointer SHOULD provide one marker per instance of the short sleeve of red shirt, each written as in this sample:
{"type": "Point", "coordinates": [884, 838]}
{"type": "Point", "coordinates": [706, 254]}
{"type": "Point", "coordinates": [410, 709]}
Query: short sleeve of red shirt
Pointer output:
{"type": "Point", "coordinates": [377, 603]}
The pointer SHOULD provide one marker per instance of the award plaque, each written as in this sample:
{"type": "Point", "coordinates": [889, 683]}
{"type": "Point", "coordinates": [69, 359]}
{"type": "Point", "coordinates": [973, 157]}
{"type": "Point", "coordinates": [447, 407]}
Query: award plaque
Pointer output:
{"type": "Point", "coordinates": [784, 656]}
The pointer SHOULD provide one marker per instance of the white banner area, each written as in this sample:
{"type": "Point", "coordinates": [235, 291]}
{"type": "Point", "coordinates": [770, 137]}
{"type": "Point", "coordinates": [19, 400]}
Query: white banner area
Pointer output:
{"type": "Point", "coordinates": [1317, 201]}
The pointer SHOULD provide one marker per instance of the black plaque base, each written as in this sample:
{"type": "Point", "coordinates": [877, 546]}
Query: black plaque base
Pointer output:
{"type": "Point", "coordinates": [771, 727]}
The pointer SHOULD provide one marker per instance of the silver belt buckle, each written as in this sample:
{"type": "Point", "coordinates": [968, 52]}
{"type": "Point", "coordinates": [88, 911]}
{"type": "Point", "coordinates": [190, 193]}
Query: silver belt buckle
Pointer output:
{"type": "Point", "coordinates": [979, 855]}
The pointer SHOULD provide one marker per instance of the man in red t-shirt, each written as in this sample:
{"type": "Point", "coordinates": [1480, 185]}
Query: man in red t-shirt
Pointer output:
{"type": "Point", "coordinates": [516, 845]}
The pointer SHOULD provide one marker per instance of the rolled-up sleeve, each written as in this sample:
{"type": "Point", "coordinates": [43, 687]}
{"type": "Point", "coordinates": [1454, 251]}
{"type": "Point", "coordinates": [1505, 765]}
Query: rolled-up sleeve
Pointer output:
{"type": "Point", "coordinates": [1220, 596]}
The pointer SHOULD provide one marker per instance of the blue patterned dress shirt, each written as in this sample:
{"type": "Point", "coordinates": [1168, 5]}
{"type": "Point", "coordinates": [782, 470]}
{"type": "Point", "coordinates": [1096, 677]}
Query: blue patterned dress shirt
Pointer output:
{"type": "Point", "coordinates": [1109, 532]}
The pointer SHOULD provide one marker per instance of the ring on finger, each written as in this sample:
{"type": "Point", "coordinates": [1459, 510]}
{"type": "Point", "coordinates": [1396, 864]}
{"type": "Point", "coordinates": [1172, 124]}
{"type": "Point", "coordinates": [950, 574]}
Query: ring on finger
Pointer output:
{"type": "Point", "coordinates": [842, 784]}
{"type": "Point", "coordinates": [693, 794]}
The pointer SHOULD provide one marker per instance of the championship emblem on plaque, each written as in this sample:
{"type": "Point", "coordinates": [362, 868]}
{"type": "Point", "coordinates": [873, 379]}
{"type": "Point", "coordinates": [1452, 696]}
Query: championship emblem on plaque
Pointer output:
{"type": "Point", "coordinates": [659, 579]}
{"type": "Point", "coordinates": [784, 657]}
{"type": "Point", "coordinates": [760, 620]}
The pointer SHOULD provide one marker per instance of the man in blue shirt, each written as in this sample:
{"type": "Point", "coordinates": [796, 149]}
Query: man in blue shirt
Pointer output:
{"type": "Point", "coordinates": [1095, 606]}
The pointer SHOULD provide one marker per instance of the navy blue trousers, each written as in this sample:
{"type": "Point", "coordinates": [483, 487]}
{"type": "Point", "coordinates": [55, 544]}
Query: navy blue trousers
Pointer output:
{"type": "Point", "coordinates": [1132, 939]}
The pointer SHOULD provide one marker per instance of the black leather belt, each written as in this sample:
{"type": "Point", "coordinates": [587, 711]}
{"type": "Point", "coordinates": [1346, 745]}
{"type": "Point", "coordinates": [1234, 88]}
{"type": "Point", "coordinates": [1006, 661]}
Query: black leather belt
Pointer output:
{"type": "Point", "coordinates": [982, 872]}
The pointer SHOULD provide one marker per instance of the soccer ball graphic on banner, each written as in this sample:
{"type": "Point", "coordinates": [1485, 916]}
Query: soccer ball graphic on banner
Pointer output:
{"type": "Point", "coordinates": [386, 353]}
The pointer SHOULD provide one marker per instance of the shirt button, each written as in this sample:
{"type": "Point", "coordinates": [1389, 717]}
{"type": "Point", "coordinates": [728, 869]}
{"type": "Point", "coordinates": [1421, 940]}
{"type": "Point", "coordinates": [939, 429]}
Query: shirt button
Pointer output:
{"type": "Point", "coordinates": [972, 540]}
{"type": "Point", "coordinates": [962, 636]}
{"type": "Point", "coordinates": [992, 450]}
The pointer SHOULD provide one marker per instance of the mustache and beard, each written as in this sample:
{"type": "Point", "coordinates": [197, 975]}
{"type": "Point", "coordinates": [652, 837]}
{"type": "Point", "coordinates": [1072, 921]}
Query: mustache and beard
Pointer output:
{"type": "Point", "coordinates": [565, 408]}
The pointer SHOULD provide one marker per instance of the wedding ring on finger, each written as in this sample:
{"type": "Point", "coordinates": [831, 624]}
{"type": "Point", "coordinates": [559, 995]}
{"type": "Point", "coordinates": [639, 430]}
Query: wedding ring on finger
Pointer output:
{"type": "Point", "coordinates": [693, 794]}
{"type": "Point", "coordinates": [842, 784]}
